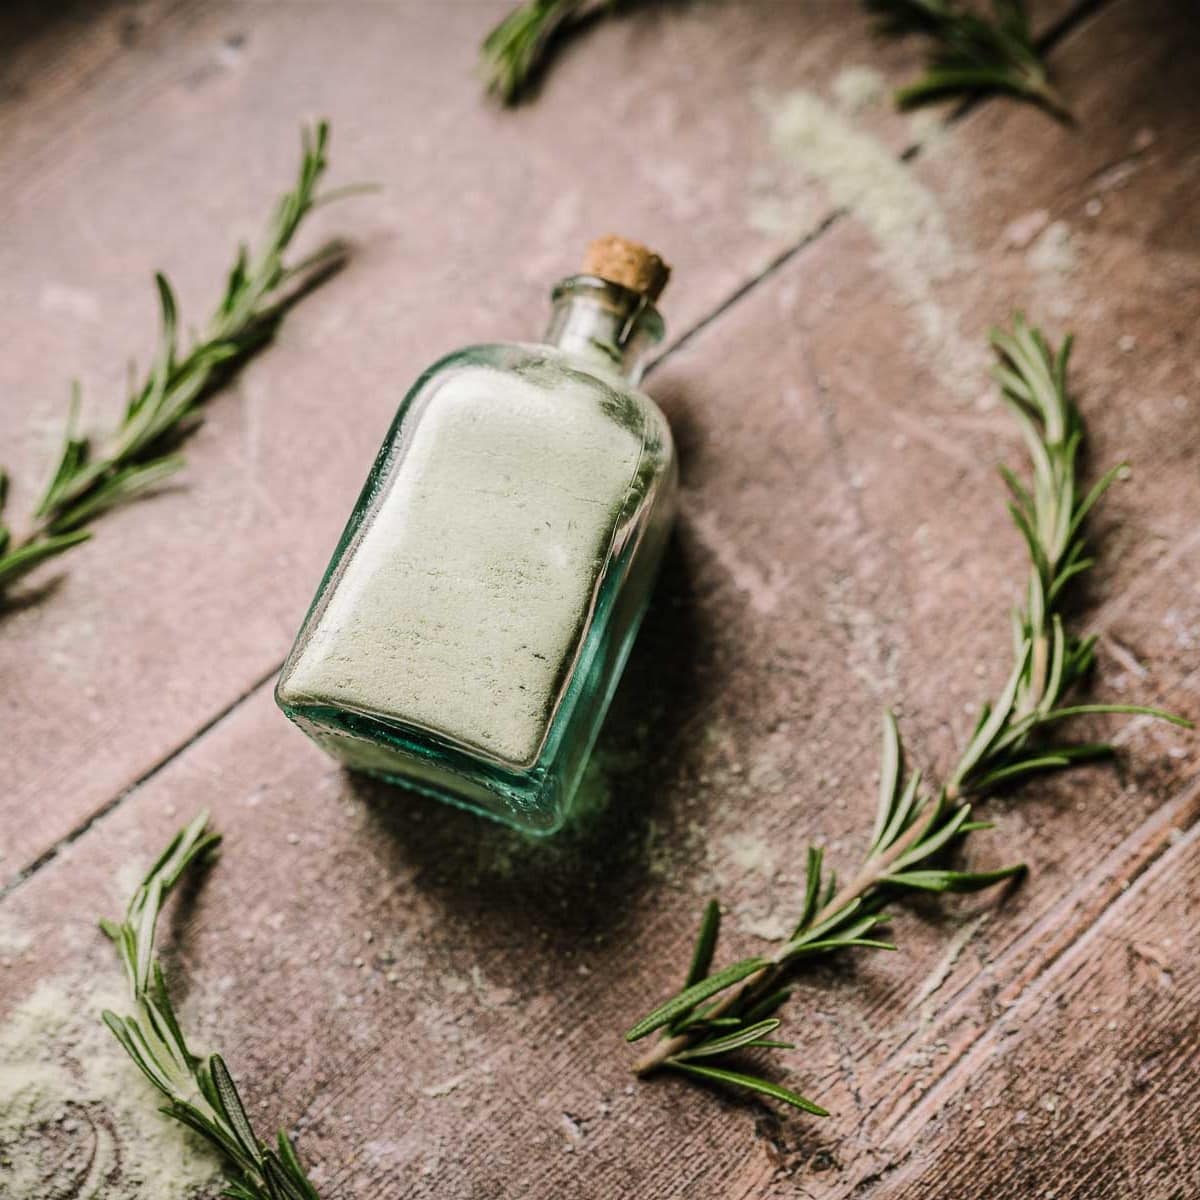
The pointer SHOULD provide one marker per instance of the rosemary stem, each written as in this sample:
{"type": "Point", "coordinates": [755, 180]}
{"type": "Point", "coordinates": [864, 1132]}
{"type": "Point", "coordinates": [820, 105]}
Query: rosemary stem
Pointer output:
{"type": "Point", "coordinates": [873, 870]}
{"type": "Point", "coordinates": [669, 1046]}
{"type": "Point", "coordinates": [1038, 659]}
{"type": "Point", "coordinates": [1046, 94]}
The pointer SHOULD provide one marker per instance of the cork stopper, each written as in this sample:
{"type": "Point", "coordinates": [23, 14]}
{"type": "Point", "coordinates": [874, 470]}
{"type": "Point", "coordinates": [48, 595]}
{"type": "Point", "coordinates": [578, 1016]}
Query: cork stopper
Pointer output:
{"type": "Point", "coordinates": [628, 263]}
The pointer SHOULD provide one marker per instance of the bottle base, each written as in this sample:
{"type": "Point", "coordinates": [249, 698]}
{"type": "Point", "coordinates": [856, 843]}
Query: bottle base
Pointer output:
{"type": "Point", "coordinates": [533, 801]}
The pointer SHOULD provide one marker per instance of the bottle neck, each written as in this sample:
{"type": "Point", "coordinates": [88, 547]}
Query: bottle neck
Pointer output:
{"type": "Point", "coordinates": [608, 326]}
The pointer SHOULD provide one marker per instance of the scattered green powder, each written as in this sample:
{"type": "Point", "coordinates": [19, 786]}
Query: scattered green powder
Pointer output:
{"type": "Point", "coordinates": [772, 928]}
{"type": "Point", "coordinates": [750, 853]}
{"type": "Point", "coordinates": [1053, 259]}
{"type": "Point", "coordinates": [926, 127]}
{"type": "Point", "coordinates": [1053, 253]}
{"type": "Point", "coordinates": [459, 610]}
{"type": "Point", "coordinates": [14, 941]}
{"type": "Point", "coordinates": [861, 174]}
{"type": "Point", "coordinates": [76, 1118]}
{"type": "Point", "coordinates": [856, 88]}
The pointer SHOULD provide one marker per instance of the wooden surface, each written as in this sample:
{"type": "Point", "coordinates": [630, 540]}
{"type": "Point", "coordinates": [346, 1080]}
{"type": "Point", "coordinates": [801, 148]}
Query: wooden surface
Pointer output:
{"type": "Point", "coordinates": [435, 1003]}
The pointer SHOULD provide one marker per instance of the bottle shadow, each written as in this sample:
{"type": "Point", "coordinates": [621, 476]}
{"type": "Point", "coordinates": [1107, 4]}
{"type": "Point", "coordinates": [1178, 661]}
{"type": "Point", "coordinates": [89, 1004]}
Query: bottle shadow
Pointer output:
{"type": "Point", "coordinates": [176, 947]}
{"type": "Point", "coordinates": [582, 880]}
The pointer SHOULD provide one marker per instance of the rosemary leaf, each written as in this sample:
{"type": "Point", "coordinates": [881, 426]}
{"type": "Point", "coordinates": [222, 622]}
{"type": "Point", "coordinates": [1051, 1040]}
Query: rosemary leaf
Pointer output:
{"type": "Point", "coordinates": [812, 887]}
{"type": "Point", "coordinates": [889, 778]}
{"type": "Point", "coordinates": [517, 49]}
{"type": "Point", "coordinates": [903, 812]}
{"type": "Point", "coordinates": [232, 1109]}
{"type": "Point", "coordinates": [838, 943]}
{"type": "Point", "coordinates": [1134, 710]}
{"type": "Point", "coordinates": [971, 53]}
{"type": "Point", "coordinates": [691, 996]}
{"type": "Point", "coordinates": [810, 940]}
{"type": "Point", "coordinates": [953, 881]}
{"type": "Point", "coordinates": [940, 837]}
{"type": "Point", "coordinates": [22, 560]}
{"type": "Point", "coordinates": [706, 944]}
{"type": "Point", "coordinates": [769, 1004]}
{"type": "Point", "coordinates": [731, 1041]}
{"type": "Point", "coordinates": [752, 1083]}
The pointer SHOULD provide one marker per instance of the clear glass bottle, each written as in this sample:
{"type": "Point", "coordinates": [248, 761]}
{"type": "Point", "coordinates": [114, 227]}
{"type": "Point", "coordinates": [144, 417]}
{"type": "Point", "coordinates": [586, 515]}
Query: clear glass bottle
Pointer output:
{"type": "Point", "coordinates": [474, 620]}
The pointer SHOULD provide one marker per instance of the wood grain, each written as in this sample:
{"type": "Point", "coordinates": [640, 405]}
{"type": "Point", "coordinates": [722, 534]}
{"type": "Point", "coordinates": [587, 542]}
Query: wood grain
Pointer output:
{"type": "Point", "coordinates": [439, 1003]}
{"type": "Point", "coordinates": [1080, 1086]}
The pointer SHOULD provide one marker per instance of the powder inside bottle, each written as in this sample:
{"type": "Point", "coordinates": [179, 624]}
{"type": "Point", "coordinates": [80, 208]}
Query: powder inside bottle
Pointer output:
{"type": "Point", "coordinates": [460, 608]}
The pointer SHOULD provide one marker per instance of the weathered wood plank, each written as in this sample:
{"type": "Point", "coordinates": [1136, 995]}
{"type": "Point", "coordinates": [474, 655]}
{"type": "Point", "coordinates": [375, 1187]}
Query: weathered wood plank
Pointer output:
{"type": "Point", "coordinates": [840, 536]}
{"type": "Point", "coordinates": [157, 137]}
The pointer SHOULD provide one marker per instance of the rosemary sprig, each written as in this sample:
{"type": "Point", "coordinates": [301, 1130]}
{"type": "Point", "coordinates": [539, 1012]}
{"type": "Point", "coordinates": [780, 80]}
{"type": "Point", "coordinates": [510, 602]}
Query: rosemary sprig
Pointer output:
{"type": "Point", "coordinates": [200, 1092]}
{"type": "Point", "coordinates": [163, 409]}
{"type": "Point", "coordinates": [517, 49]}
{"type": "Point", "coordinates": [972, 53]}
{"type": "Point", "coordinates": [915, 826]}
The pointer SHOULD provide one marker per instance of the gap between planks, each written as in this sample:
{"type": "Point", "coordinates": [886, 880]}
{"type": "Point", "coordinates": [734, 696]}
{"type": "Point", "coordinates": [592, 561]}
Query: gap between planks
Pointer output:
{"type": "Point", "coordinates": [48, 856]}
{"type": "Point", "coordinates": [1068, 23]}
{"type": "Point", "coordinates": [1058, 32]}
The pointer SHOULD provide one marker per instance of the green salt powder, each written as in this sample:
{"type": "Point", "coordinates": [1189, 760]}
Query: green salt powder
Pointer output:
{"type": "Point", "coordinates": [460, 608]}
{"type": "Point", "coordinates": [76, 1117]}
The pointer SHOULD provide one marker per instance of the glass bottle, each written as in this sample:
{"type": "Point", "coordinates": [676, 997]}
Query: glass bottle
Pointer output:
{"type": "Point", "coordinates": [476, 615]}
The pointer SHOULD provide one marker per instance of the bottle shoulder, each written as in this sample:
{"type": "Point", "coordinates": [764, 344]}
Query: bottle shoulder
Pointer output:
{"type": "Point", "coordinates": [519, 371]}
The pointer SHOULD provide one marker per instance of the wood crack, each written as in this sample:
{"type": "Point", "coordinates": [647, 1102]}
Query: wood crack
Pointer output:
{"type": "Point", "coordinates": [48, 856]}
